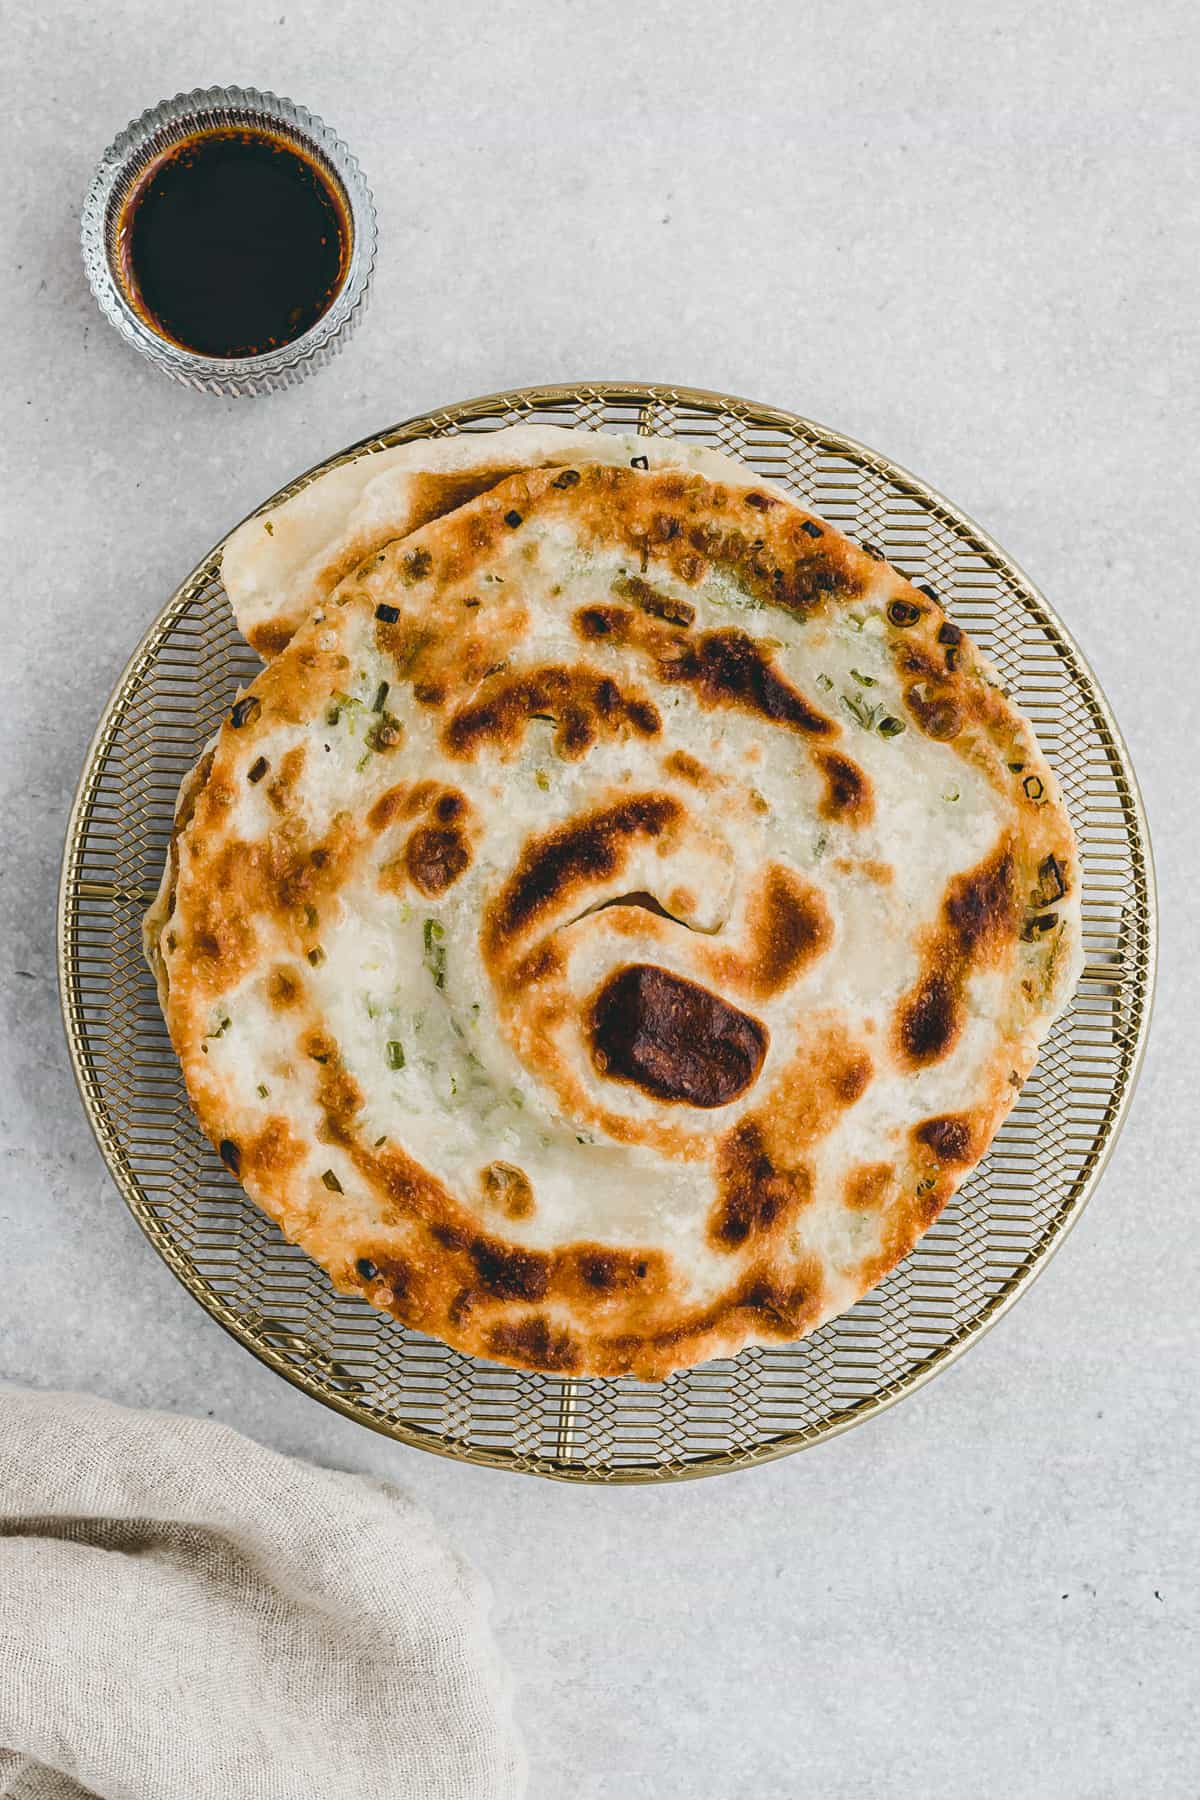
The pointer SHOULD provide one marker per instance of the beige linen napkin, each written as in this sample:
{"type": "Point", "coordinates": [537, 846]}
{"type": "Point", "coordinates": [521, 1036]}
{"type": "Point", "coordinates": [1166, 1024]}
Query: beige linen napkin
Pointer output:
{"type": "Point", "coordinates": [185, 1614]}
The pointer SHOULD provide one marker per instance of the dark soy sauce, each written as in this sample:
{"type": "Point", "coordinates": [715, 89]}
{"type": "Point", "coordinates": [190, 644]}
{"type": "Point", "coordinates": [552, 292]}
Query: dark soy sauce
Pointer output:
{"type": "Point", "coordinates": [234, 243]}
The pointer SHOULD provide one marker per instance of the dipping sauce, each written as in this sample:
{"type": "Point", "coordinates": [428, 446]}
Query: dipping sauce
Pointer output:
{"type": "Point", "coordinates": [234, 243]}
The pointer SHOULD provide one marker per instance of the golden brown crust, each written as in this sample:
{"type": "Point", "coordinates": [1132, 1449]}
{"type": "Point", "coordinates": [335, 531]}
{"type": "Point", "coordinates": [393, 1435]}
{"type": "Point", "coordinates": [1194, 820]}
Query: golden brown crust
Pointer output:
{"type": "Point", "coordinates": [660, 989]}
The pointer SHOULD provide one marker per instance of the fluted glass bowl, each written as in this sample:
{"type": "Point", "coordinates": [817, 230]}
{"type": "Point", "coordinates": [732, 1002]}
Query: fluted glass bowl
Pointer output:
{"type": "Point", "coordinates": [104, 214]}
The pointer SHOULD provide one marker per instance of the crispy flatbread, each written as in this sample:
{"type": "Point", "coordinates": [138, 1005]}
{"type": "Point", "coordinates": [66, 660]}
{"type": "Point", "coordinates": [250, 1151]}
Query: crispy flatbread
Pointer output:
{"type": "Point", "coordinates": [287, 559]}
{"type": "Point", "coordinates": [610, 930]}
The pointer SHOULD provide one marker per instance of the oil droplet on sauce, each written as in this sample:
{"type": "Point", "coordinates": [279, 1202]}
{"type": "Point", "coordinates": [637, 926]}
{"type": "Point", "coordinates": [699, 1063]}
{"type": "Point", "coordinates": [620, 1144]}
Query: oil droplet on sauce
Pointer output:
{"type": "Point", "coordinates": [234, 243]}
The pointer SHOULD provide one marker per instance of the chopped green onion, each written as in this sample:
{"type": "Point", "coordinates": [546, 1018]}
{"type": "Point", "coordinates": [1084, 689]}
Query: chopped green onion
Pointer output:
{"type": "Point", "coordinates": [864, 680]}
{"type": "Point", "coordinates": [332, 1183]}
{"type": "Point", "coordinates": [316, 956]}
{"type": "Point", "coordinates": [245, 711]}
{"type": "Point", "coordinates": [891, 726]}
{"type": "Point", "coordinates": [824, 683]}
{"type": "Point", "coordinates": [903, 612]}
{"type": "Point", "coordinates": [542, 779]}
{"type": "Point", "coordinates": [860, 712]}
{"type": "Point", "coordinates": [381, 694]}
{"type": "Point", "coordinates": [263, 1090]}
{"type": "Point", "coordinates": [395, 1054]}
{"type": "Point", "coordinates": [435, 954]}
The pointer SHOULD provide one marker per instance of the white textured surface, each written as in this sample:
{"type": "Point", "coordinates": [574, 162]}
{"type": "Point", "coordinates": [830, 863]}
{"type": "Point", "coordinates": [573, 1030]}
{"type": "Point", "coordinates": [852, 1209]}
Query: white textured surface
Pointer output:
{"type": "Point", "coordinates": [968, 235]}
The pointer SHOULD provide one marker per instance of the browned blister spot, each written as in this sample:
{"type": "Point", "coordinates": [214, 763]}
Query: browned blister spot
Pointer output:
{"type": "Point", "coordinates": [450, 806]}
{"type": "Point", "coordinates": [868, 1186]}
{"type": "Point", "coordinates": [850, 1076]}
{"type": "Point", "coordinates": [273, 1153]}
{"type": "Point", "coordinates": [284, 987]}
{"type": "Point", "coordinates": [683, 764]}
{"type": "Point", "coordinates": [509, 1188]}
{"type": "Point", "coordinates": [651, 600]}
{"type": "Point", "coordinates": [981, 906]}
{"type": "Point", "coordinates": [420, 798]}
{"type": "Point", "coordinates": [980, 918]}
{"type": "Point", "coordinates": [728, 668]}
{"type": "Point", "coordinates": [222, 934]}
{"type": "Point", "coordinates": [848, 796]}
{"type": "Point", "coordinates": [341, 1100]}
{"type": "Point", "coordinates": [779, 1308]}
{"type": "Point", "coordinates": [832, 572]}
{"type": "Point", "coordinates": [435, 856]}
{"type": "Point", "coordinates": [912, 659]}
{"type": "Point", "coordinates": [575, 856]}
{"type": "Point", "coordinates": [319, 1045]}
{"type": "Point", "coordinates": [389, 807]}
{"type": "Point", "coordinates": [582, 702]}
{"type": "Point", "coordinates": [829, 1072]}
{"type": "Point", "coordinates": [672, 1038]}
{"type": "Point", "coordinates": [536, 1343]}
{"type": "Point", "coordinates": [396, 1274]}
{"type": "Point", "coordinates": [774, 1305]}
{"type": "Point", "coordinates": [902, 1221]}
{"type": "Point", "coordinates": [540, 966]}
{"type": "Point", "coordinates": [431, 494]}
{"type": "Point", "coordinates": [208, 821]}
{"type": "Point", "coordinates": [874, 870]}
{"type": "Point", "coordinates": [590, 1271]}
{"type": "Point", "coordinates": [280, 790]}
{"type": "Point", "coordinates": [270, 638]}
{"type": "Point", "coordinates": [282, 880]}
{"type": "Point", "coordinates": [507, 1272]}
{"type": "Point", "coordinates": [937, 713]}
{"type": "Point", "coordinates": [788, 926]}
{"type": "Point", "coordinates": [929, 1019]}
{"type": "Point", "coordinates": [753, 1194]}
{"type": "Point", "coordinates": [597, 623]}
{"type": "Point", "coordinates": [951, 1137]}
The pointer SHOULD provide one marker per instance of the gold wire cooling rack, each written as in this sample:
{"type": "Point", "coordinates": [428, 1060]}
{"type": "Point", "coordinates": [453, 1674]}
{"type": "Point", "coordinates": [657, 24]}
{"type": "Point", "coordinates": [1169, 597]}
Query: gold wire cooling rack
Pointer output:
{"type": "Point", "coordinates": [988, 1244]}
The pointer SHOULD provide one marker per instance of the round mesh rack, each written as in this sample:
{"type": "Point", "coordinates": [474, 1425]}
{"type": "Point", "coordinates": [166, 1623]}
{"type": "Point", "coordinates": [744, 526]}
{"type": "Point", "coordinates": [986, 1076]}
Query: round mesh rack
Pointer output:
{"type": "Point", "coordinates": [986, 1247]}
